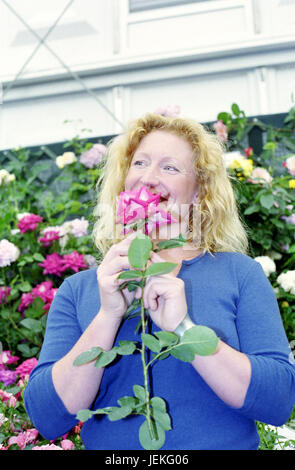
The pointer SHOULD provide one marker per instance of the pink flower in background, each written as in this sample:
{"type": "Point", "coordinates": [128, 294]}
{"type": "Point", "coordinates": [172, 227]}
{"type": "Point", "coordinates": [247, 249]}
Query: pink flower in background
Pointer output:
{"type": "Point", "coordinates": [26, 300]}
{"type": "Point", "coordinates": [74, 261]}
{"type": "Point", "coordinates": [141, 205]}
{"type": "Point", "coordinates": [290, 219]}
{"type": "Point", "coordinates": [26, 367]}
{"type": "Point", "coordinates": [168, 111]}
{"type": "Point", "coordinates": [8, 377]}
{"type": "Point", "coordinates": [7, 358]}
{"type": "Point", "coordinates": [24, 438]}
{"type": "Point", "coordinates": [66, 444]}
{"type": "Point", "coordinates": [77, 227]}
{"type": "Point", "coordinates": [8, 253]}
{"type": "Point", "coordinates": [93, 156]}
{"type": "Point", "coordinates": [49, 237]}
{"type": "Point", "coordinates": [260, 175]}
{"type": "Point", "coordinates": [8, 398]}
{"type": "Point", "coordinates": [29, 222]}
{"type": "Point", "coordinates": [221, 131]}
{"type": "Point", "coordinates": [47, 447]}
{"type": "Point", "coordinates": [46, 291]}
{"type": "Point", "coordinates": [4, 293]}
{"type": "Point", "coordinates": [53, 264]}
{"type": "Point", "coordinates": [290, 165]}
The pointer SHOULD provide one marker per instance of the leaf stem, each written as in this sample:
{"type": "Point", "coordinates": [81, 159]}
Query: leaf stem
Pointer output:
{"type": "Point", "coordinates": [144, 366]}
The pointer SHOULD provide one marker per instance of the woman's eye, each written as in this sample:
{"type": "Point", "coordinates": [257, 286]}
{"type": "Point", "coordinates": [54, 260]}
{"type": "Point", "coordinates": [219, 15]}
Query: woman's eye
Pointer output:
{"type": "Point", "coordinates": [170, 169]}
{"type": "Point", "coordinates": [138, 163]}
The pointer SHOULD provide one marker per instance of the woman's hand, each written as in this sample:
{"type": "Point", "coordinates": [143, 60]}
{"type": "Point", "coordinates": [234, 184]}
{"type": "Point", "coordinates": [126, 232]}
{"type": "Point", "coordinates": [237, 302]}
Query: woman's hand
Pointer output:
{"type": "Point", "coordinates": [164, 297]}
{"type": "Point", "coordinates": [114, 302]}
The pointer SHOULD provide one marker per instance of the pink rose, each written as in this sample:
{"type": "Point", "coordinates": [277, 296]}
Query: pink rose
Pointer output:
{"type": "Point", "coordinates": [29, 222]}
{"type": "Point", "coordinates": [26, 367]}
{"type": "Point", "coordinates": [7, 358]}
{"type": "Point", "coordinates": [168, 111]}
{"type": "Point", "coordinates": [53, 264]}
{"type": "Point", "coordinates": [260, 175]}
{"type": "Point", "coordinates": [92, 157]}
{"type": "Point", "coordinates": [49, 237]}
{"type": "Point", "coordinates": [26, 300]}
{"type": "Point", "coordinates": [4, 293]}
{"type": "Point", "coordinates": [141, 205]}
{"type": "Point", "coordinates": [290, 165]}
{"type": "Point", "coordinates": [74, 261]}
{"type": "Point", "coordinates": [66, 444]}
{"type": "Point", "coordinates": [221, 131]}
{"type": "Point", "coordinates": [47, 447]}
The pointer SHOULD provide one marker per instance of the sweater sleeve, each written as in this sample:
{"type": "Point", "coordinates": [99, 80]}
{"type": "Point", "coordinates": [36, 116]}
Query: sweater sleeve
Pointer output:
{"type": "Point", "coordinates": [43, 405]}
{"type": "Point", "coordinates": [270, 396]}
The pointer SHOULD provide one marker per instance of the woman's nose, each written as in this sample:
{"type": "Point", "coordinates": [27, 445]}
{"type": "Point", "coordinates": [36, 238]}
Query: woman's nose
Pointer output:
{"type": "Point", "coordinates": [150, 176]}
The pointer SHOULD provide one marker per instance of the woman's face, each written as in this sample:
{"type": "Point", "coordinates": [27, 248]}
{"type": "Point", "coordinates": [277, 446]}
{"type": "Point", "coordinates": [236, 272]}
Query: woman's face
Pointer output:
{"type": "Point", "coordinates": [163, 162]}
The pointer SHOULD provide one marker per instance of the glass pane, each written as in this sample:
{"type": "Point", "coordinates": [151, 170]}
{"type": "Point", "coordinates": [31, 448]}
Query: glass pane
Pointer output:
{"type": "Point", "coordinates": [140, 5]}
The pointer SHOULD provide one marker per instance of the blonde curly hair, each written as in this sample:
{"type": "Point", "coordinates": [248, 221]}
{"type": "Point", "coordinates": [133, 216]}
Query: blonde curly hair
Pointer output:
{"type": "Point", "coordinates": [221, 228]}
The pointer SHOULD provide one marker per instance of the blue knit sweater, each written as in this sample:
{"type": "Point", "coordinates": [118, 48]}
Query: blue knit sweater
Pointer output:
{"type": "Point", "coordinates": [227, 292]}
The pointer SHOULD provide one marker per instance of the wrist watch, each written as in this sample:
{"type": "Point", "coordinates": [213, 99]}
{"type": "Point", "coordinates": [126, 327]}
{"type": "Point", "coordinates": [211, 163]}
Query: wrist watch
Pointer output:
{"type": "Point", "coordinates": [186, 324]}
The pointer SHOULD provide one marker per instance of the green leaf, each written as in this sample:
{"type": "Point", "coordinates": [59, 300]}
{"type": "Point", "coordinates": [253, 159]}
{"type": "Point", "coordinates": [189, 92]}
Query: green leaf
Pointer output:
{"type": "Point", "coordinates": [172, 243]}
{"type": "Point", "coordinates": [183, 352]}
{"type": "Point", "coordinates": [25, 286]}
{"type": "Point", "coordinates": [139, 392]}
{"type": "Point", "coordinates": [38, 257]}
{"type": "Point", "coordinates": [267, 200]}
{"type": "Point", "coordinates": [162, 418]}
{"type": "Point", "coordinates": [151, 342]}
{"type": "Point", "coordinates": [159, 403]}
{"type": "Point", "coordinates": [202, 340]}
{"type": "Point", "coordinates": [145, 438]}
{"type": "Point", "coordinates": [166, 338]}
{"type": "Point", "coordinates": [130, 274]}
{"type": "Point", "coordinates": [87, 356]}
{"type": "Point", "coordinates": [126, 347]}
{"type": "Point", "coordinates": [157, 269]}
{"type": "Point", "coordinates": [139, 251]}
{"type": "Point", "coordinates": [84, 415]}
{"type": "Point", "coordinates": [235, 109]}
{"type": "Point", "coordinates": [224, 117]}
{"type": "Point", "coordinates": [31, 324]}
{"type": "Point", "coordinates": [119, 412]}
{"type": "Point", "coordinates": [128, 401]}
{"type": "Point", "coordinates": [251, 210]}
{"type": "Point", "coordinates": [105, 358]}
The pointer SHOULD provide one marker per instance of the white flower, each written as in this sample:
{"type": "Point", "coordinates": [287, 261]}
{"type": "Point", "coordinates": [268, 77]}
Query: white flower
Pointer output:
{"type": "Point", "coordinates": [65, 159]}
{"type": "Point", "coordinates": [6, 177]}
{"type": "Point", "coordinates": [91, 261]}
{"type": "Point", "coordinates": [77, 227]}
{"type": "Point", "coordinates": [287, 281]}
{"type": "Point", "coordinates": [268, 265]}
{"type": "Point", "coordinates": [23, 214]}
{"type": "Point", "coordinates": [8, 253]}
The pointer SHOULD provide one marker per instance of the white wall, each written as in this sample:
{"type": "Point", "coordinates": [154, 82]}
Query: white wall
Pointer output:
{"type": "Point", "coordinates": [202, 56]}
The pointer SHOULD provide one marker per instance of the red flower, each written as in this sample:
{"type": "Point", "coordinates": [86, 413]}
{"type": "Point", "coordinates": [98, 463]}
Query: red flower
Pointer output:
{"type": "Point", "coordinates": [248, 151]}
{"type": "Point", "coordinates": [29, 222]}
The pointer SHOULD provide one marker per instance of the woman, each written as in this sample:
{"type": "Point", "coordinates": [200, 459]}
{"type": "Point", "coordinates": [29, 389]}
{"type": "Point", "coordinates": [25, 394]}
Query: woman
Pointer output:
{"type": "Point", "coordinates": [215, 400]}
